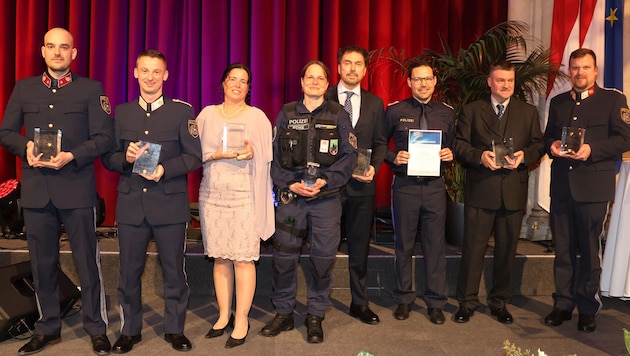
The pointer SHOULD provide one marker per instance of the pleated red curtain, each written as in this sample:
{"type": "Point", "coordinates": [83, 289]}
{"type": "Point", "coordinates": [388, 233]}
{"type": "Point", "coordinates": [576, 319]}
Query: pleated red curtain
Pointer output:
{"type": "Point", "coordinates": [200, 38]}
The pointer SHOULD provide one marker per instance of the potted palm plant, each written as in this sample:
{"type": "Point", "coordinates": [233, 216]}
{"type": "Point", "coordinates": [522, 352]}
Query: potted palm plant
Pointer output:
{"type": "Point", "coordinates": [462, 78]}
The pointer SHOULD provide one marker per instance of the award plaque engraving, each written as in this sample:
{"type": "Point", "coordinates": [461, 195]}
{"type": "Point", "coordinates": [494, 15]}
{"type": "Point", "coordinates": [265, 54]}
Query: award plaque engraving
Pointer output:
{"type": "Point", "coordinates": [147, 158]}
{"type": "Point", "coordinates": [363, 161]}
{"type": "Point", "coordinates": [311, 174]}
{"type": "Point", "coordinates": [47, 142]}
{"type": "Point", "coordinates": [572, 139]}
{"type": "Point", "coordinates": [234, 137]}
{"type": "Point", "coordinates": [501, 150]}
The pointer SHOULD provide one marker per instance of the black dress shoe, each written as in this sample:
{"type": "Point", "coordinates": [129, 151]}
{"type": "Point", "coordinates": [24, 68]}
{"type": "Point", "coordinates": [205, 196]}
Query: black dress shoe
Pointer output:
{"type": "Point", "coordinates": [314, 331]}
{"type": "Point", "coordinates": [100, 344]}
{"type": "Point", "coordinates": [436, 316]}
{"type": "Point", "coordinates": [38, 343]}
{"type": "Point", "coordinates": [218, 332]}
{"type": "Point", "coordinates": [463, 314]}
{"type": "Point", "coordinates": [232, 342]}
{"type": "Point", "coordinates": [363, 313]}
{"type": "Point", "coordinates": [279, 323]}
{"type": "Point", "coordinates": [503, 315]}
{"type": "Point", "coordinates": [586, 323]}
{"type": "Point", "coordinates": [557, 317]}
{"type": "Point", "coordinates": [125, 343]}
{"type": "Point", "coordinates": [179, 342]}
{"type": "Point", "coordinates": [402, 312]}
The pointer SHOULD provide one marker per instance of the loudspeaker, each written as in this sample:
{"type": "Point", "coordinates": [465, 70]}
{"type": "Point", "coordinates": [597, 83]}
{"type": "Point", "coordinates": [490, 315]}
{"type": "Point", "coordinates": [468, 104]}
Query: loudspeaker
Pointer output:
{"type": "Point", "coordinates": [18, 305]}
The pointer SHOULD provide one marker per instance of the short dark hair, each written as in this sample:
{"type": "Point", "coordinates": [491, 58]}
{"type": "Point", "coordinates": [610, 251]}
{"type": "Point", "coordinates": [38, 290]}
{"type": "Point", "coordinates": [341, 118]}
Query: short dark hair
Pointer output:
{"type": "Point", "coordinates": [319, 63]}
{"type": "Point", "coordinates": [501, 64]}
{"type": "Point", "coordinates": [152, 53]}
{"type": "Point", "coordinates": [349, 49]}
{"type": "Point", "coordinates": [583, 52]}
{"type": "Point", "coordinates": [227, 71]}
{"type": "Point", "coordinates": [415, 63]}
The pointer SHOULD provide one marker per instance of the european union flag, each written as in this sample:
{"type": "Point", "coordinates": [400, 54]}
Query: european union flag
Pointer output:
{"type": "Point", "coordinates": [613, 56]}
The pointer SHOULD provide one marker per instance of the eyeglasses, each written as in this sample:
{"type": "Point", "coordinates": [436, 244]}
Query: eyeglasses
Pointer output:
{"type": "Point", "coordinates": [423, 80]}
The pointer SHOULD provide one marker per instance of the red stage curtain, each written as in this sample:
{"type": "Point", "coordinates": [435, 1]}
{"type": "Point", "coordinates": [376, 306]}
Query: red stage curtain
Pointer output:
{"type": "Point", "coordinates": [200, 38]}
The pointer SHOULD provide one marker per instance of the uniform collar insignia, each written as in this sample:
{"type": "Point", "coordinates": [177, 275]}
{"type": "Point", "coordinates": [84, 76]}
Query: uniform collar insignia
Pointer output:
{"type": "Point", "coordinates": [49, 82]}
{"type": "Point", "coordinates": [148, 107]}
{"type": "Point", "coordinates": [577, 96]}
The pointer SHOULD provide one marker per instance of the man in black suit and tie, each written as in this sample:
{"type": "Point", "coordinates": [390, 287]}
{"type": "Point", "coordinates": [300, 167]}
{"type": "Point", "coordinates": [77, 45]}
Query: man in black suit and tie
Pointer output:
{"type": "Point", "coordinates": [495, 189]}
{"type": "Point", "coordinates": [367, 115]}
{"type": "Point", "coordinates": [60, 188]}
{"type": "Point", "coordinates": [582, 184]}
{"type": "Point", "coordinates": [153, 204]}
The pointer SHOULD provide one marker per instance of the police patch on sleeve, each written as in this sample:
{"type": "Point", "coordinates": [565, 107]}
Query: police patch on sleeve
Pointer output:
{"type": "Point", "coordinates": [625, 115]}
{"type": "Point", "coordinates": [192, 128]}
{"type": "Point", "coordinates": [105, 105]}
{"type": "Point", "coordinates": [353, 140]}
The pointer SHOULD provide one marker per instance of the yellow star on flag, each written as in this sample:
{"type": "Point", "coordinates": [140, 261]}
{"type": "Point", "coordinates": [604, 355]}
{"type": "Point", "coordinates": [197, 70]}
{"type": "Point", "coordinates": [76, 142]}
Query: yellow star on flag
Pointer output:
{"type": "Point", "coordinates": [612, 17]}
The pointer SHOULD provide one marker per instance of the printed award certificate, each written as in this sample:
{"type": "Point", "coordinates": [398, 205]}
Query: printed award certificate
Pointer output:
{"type": "Point", "coordinates": [424, 153]}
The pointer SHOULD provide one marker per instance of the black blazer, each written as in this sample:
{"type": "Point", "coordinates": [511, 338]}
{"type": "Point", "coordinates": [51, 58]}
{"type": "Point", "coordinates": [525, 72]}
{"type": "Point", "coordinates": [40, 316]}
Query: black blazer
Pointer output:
{"type": "Point", "coordinates": [477, 126]}
{"type": "Point", "coordinates": [370, 132]}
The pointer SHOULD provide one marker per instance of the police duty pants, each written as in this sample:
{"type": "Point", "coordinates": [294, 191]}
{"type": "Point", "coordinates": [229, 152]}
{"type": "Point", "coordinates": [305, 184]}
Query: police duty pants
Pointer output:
{"type": "Point", "coordinates": [322, 220]}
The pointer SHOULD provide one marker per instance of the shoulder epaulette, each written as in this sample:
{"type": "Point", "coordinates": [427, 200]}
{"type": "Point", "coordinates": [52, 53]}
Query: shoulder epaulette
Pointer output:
{"type": "Point", "coordinates": [448, 106]}
{"type": "Point", "coordinates": [181, 101]}
{"type": "Point", "coordinates": [394, 103]}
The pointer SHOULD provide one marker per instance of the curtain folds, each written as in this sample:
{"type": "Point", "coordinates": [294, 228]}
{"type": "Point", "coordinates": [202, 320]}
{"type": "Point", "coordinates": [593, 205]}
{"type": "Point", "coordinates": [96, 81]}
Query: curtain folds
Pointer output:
{"type": "Point", "coordinates": [200, 38]}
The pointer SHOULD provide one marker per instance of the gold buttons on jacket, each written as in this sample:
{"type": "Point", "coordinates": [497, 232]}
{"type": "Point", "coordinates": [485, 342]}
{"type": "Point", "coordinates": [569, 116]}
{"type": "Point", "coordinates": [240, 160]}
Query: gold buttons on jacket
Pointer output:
{"type": "Point", "coordinates": [574, 118]}
{"type": "Point", "coordinates": [570, 168]}
{"type": "Point", "coordinates": [148, 114]}
{"type": "Point", "coordinates": [50, 125]}
{"type": "Point", "coordinates": [54, 91]}
{"type": "Point", "coordinates": [51, 106]}
{"type": "Point", "coordinates": [144, 190]}
{"type": "Point", "coordinates": [146, 132]}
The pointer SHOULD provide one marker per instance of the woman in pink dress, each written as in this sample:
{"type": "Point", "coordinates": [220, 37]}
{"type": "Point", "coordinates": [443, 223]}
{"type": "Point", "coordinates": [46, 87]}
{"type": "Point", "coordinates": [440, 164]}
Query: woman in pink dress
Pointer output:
{"type": "Point", "coordinates": [235, 201]}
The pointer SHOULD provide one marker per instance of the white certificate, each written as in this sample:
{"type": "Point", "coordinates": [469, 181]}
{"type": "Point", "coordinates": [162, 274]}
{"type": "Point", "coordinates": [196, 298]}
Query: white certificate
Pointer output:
{"type": "Point", "coordinates": [424, 153]}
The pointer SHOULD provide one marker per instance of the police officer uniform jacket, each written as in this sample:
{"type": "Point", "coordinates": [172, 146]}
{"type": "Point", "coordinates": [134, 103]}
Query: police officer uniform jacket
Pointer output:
{"type": "Point", "coordinates": [370, 132]}
{"type": "Point", "coordinates": [173, 126]}
{"type": "Point", "coordinates": [336, 123]}
{"type": "Point", "coordinates": [605, 116]}
{"type": "Point", "coordinates": [405, 115]}
{"type": "Point", "coordinates": [477, 126]}
{"type": "Point", "coordinates": [79, 108]}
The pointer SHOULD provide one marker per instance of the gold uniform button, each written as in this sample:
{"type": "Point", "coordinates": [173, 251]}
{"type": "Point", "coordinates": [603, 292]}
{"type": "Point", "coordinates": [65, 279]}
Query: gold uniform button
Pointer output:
{"type": "Point", "coordinates": [578, 103]}
{"type": "Point", "coordinates": [574, 118]}
{"type": "Point", "coordinates": [570, 168]}
{"type": "Point", "coordinates": [51, 106]}
{"type": "Point", "coordinates": [144, 190]}
{"type": "Point", "coordinates": [148, 114]}
{"type": "Point", "coordinates": [50, 125]}
{"type": "Point", "coordinates": [146, 132]}
{"type": "Point", "coordinates": [54, 91]}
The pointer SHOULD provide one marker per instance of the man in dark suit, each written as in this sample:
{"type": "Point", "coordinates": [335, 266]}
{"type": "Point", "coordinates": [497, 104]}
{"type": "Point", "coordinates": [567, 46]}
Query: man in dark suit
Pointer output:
{"type": "Point", "coordinates": [60, 187]}
{"type": "Point", "coordinates": [368, 119]}
{"type": "Point", "coordinates": [153, 204]}
{"type": "Point", "coordinates": [495, 189]}
{"type": "Point", "coordinates": [582, 184]}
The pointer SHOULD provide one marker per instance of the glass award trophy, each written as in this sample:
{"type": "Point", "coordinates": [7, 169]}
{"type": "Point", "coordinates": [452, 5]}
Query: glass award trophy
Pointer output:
{"type": "Point", "coordinates": [147, 158]}
{"type": "Point", "coordinates": [47, 142]}
{"type": "Point", "coordinates": [310, 177]}
{"type": "Point", "coordinates": [363, 161]}
{"type": "Point", "coordinates": [501, 150]}
{"type": "Point", "coordinates": [572, 139]}
{"type": "Point", "coordinates": [234, 137]}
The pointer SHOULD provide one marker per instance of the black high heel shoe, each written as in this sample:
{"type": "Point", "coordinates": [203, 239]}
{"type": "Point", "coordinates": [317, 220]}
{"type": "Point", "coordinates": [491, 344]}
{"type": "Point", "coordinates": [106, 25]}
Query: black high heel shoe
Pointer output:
{"type": "Point", "coordinates": [232, 342]}
{"type": "Point", "coordinates": [218, 332]}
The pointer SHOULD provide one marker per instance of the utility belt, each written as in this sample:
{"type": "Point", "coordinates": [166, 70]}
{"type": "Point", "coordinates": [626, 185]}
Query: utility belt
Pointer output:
{"type": "Point", "coordinates": [287, 196]}
{"type": "Point", "coordinates": [418, 179]}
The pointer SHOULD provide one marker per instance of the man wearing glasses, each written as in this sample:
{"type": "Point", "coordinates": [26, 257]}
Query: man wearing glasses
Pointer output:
{"type": "Point", "coordinates": [419, 200]}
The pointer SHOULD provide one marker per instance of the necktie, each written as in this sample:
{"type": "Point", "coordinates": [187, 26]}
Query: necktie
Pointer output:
{"type": "Point", "coordinates": [500, 110]}
{"type": "Point", "coordinates": [424, 123]}
{"type": "Point", "coordinates": [348, 104]}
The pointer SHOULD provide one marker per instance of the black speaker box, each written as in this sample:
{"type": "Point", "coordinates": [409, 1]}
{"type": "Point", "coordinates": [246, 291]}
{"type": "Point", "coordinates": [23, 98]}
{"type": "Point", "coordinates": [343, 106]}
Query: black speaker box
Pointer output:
{"type": "Point", "coordinates": [18, 305]}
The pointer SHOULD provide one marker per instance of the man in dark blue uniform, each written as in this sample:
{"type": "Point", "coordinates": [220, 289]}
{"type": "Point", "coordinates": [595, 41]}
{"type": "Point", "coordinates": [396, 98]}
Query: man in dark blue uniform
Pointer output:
{"type": "Point", "coordinates": [419, 198]}
{"type": "Point", "coordinates": [368, 120]}
{"type": "Point", "coordinates": [60, 188]}
{"type": "Point", "coordinates": [313, 158]}
{"type": "Point", "coordinates": [153, 204]}
{"type": "Point", "coordinates": [582, 184]}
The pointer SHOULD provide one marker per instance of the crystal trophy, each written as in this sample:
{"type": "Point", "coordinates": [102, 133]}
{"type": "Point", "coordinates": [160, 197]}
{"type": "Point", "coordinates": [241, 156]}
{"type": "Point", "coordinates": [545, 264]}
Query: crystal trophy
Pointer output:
{"type": "Point", "coordinates": [147, 158]}
{"type": "Point", "coordinates": [311, 174]}
{"type": "Point", "coordinates": [363, 162]}
{"type": "Point", "coordinates": [47, 142]}
{"type": "Point", "coordinates": [572, 139]}
{"type": "Point", "coordinates": [233, 137]}
{"type": "Point", "coordinates": [501, 150]}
